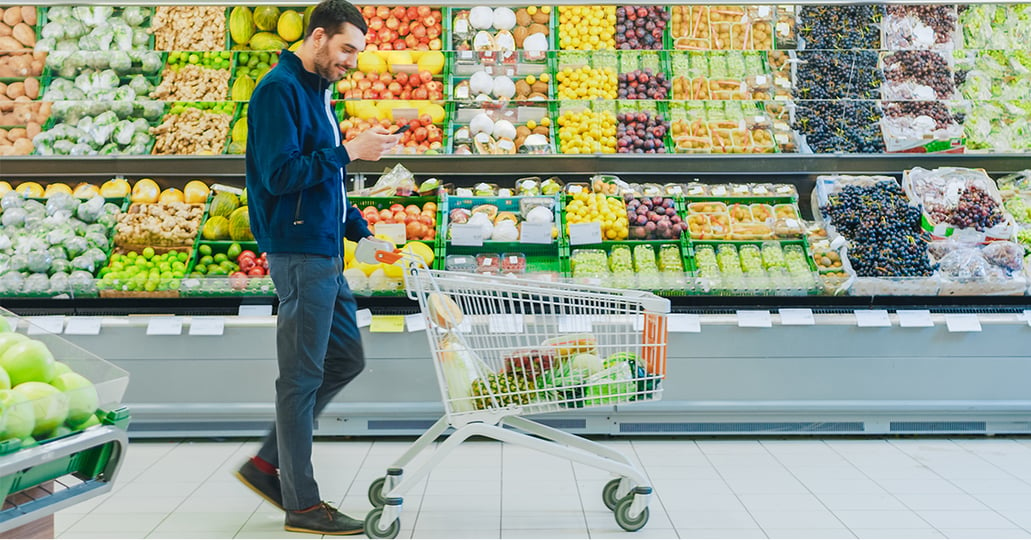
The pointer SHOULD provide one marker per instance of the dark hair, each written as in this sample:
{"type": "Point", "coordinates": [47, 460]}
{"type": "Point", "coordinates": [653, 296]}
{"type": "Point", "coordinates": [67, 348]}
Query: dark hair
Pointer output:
{"type": "Point", "coordinates": [331, 15]}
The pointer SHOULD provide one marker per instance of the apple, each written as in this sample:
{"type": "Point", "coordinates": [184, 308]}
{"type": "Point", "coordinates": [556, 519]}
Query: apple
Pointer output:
{"type": "Point", "coordinates": [10, 338]}
{"type": "Point", "coordinates": [19, 418]}
{"type": "Point", "coordinates": [28, 360]}
{"type": "Point", "coordinates": [49, 405]}
{"type": "Point", "coordinates": [60, 368]}
{"type": "Point", "coordinates": [4, 325]}
{"type": "Point", "coordinates": [82, 396]}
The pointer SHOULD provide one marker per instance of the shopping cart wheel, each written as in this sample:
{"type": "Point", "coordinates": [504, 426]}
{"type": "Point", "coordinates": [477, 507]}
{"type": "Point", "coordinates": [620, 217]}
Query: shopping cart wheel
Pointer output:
{"type": "Point", "coordinates": [623, 518]}
{"type": "Point", "coordinates": [372, 529]}
{"type": "Point", "coordinates": [608, 494]}
{"type": "Point", "coordinates": [376, 492]}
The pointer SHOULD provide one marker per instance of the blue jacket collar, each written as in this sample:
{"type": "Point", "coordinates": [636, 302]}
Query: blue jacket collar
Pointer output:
{"type": "Point", "coordinates": [293, 63]}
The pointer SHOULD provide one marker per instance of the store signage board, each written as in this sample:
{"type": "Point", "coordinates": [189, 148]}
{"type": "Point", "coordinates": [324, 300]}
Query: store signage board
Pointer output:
{"type": "Point", "coordinates": [207, 326]}
{"type": "Point", "coordinates": [50, 324]}
{"type": "Point", "coordinates": [872, 318]}
{"type": "Point", "coordinates": [387, 324]}
{"type": "Point", "coordinates": [363, 317]}
{"type": "Point", "coordinates": [396, 232]}
{"type": "Point", "coordinates": [466, 235]}
{"type": "Point", "coordinates": [684, 323]}
{"type": "Point", "coordinates": [584, 233]}
{"type": "Point", "coordinates": [754, 318]}
{"type": "Point", "coordinates": [574, 323]}
{"type": "Point", "coordinates": [535, 233]}
{"type": "Point", "coordinates": [415, 322]}
{"type": "Point", "coordinates": [255, 310]}
{"type": "Point", "coordinates": [83, 326]}
{"type": "Point", "coordinates": [915, 318]}
{"type": "Point", "coordinates": [962, 322]}
{"type": "Point", "coordinates": [511, 323]}
{"type": "Point", "coordinates": [797, 317]}
{"type": "Point", "coordinates": [165, 326]}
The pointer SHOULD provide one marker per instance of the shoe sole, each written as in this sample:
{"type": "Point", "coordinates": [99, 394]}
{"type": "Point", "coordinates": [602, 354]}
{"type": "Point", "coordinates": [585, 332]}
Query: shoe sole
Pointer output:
{"type": "Point", "coordinates": [328, 533]}
{"type": "Point", "coordinates": [260, 493]}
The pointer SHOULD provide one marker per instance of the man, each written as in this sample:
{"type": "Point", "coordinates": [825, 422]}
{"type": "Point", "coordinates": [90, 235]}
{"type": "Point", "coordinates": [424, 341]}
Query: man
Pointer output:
{"type": "Point", "coordinates": [300, 216]}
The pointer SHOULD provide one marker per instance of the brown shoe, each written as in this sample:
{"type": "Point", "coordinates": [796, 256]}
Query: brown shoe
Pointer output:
{"type": "Point", "coordinates": [264, 484]}
{"type": "Point", "coordinates": [322, 519]}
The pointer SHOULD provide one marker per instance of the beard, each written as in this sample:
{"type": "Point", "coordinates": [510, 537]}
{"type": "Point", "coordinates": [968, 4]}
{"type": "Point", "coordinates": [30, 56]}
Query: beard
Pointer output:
{"type": "Point", "coordinates": [324, 66]}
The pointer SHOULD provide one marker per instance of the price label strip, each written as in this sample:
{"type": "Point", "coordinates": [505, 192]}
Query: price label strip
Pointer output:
{"type": "Point", "coordinates": [585, 233]}
{"type": "Point", "coordinates": [759, 318]}
{"type": "Point", "coordinates": [466, 235]}
{"type": "Point", "coordinates": [797, 317]}
{"type": "Point", "coordinates": [415, 322]}
{"type": "Point", "coordinates": [915, 318]}
{"type": "Point", "coordinates": [962, 322]}
{"type": "Point", "coordinates": [872, 318]}
{"type": "Point", "coordinates": [207, 326]}
{"type": "Point", "coordinates": [684, 323]}
{"type": "Point", "coordinates": [83, 326]}
{"type": "Point", "coordinates": [506, 323]}
{"type": "Point", "coordinates": [255, 310]}
{"type": "Point", "coordinates": [363, 317]}
{"type": "Point", "coordinates": [165, 326]}
{"type": "Point", "coordinates": [535, 233]}
{"type": "Point", "coordinates": [387, 324]}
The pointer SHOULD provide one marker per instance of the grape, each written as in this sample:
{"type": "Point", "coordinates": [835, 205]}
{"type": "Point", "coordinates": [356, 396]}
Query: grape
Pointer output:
{"type": "Point", "coordinates": [851, 126]}
{"type": "Point", "coordinates": [838, 75]}
{"type": "Point", "coordinates": [976, 209]}
{"type": "Point", "coordinates": [883, 230]}
{"type": "Point", "coordinates": [643, 84]}
{"type": "Point", "coordinates": [940, 18]}
{"type": "Point", "coordinates": [922, 67]}
{"type": "Point", "coordinates": [840, 27]}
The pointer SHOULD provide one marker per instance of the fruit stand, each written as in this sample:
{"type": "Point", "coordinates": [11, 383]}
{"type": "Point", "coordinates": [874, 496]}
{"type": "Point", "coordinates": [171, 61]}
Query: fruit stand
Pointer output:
{"type": "Point", "coordinates": [498, 119]}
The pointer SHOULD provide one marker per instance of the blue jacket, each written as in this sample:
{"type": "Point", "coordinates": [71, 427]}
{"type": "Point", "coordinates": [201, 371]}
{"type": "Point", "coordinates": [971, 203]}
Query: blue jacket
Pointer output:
{"type": "Point", "coordinates": [295, 165]}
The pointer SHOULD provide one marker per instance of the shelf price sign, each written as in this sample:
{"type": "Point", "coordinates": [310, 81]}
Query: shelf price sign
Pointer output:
{"type": "Point", "coordinates": [584, 233]}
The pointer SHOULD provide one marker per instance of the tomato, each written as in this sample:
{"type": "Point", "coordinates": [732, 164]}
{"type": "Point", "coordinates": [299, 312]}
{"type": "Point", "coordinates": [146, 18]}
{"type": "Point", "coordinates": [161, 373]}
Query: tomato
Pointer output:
{"type": "Point", "coordinates": [256, 271]}
{"type": "Point", "coordinates": [246, 254]}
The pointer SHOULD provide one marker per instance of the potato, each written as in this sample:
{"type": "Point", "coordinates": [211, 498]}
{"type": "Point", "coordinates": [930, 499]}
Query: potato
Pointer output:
{"type": "Point", "coordinates": [32, 87]}
{"type": "Point", "coordinates": [24, 34]}
{"type": "Point", "coordinates": [28, 14]}
{"type": "Point", "coordinates": [523, 17]}
{"type": "Point", "coordinates": [8, 43]}
{"type": "Point", "coordinates": [3, 89]}
{"type": "Point", "coordinates": [23, 97]}
{"type": "Point", "coordinates": [44, 112]}
{"type": "Point", "coordinates": [3, 136]}
{"type": "Point", "coordinates": [12, 16]}
{"type": "Point", "coordinates": [32, 129]}
{"type": "Point", "coordinates": [5, 30]}
{"type": "Point", "coordinates": [23, 147]}
{"type": "Point", "coordinates": [15, 89]}
{"type": "Point", "coordinates": [16, 133]}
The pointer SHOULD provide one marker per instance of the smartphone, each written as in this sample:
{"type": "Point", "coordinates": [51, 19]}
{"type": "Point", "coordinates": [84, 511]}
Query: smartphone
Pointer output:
{"type": "Point", "coordinates": [402, 129]}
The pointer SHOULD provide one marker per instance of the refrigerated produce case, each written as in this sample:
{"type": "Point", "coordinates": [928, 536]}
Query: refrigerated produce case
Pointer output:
{"type": "Point", "coordinates": [830, 376]}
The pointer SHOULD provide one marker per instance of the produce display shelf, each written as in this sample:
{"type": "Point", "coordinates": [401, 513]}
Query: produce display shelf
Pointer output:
{"type": "Point", "coordinates": [788, 284]}
{"type": "Point", "coordinates": [637, 276]}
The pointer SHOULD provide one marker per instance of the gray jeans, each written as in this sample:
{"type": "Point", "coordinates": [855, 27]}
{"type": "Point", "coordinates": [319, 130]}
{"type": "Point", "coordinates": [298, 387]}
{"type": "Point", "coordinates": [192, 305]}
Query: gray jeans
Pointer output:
{"type": "Point", "coordinates": [319, 348]}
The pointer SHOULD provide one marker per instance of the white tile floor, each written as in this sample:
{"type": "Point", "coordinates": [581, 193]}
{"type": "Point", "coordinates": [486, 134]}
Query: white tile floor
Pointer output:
{"type": "Point", "coordinates": [794, 488]}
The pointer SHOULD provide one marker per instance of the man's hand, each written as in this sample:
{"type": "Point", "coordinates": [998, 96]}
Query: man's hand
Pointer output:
{"type": "Point", "coordinates": [371, 144]}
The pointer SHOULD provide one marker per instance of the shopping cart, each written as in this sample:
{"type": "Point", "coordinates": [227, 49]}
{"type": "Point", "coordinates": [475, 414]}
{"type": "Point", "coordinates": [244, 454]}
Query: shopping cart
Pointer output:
{"type": "Point", "coordinates": [504, 348]}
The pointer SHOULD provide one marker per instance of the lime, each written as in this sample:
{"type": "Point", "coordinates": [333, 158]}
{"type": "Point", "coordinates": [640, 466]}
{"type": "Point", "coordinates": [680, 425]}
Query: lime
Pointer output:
{"type": "Point", "coordinates": [221, 257]}
{"type": "Point", "coordinates": [131, 255]}
{"type": "Point", "coordinates": [183, 257]}
{"type": "Point", "coordinates": [234, 250]}
{"type": "Point", "coordinates": [151, 285]}
{"type": "Point", "coordinates": [201, 270]}
{"type": "Point", "coordinates": [206, 260]}
{"type": "Point", "coordinates": [204, 249]}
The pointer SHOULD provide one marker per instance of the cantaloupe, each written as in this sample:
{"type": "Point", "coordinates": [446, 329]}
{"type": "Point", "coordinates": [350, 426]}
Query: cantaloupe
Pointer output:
{"type": "Point", "coordinates": [240, 225]}
{"type": "Point", "coordinates": [223, 204]}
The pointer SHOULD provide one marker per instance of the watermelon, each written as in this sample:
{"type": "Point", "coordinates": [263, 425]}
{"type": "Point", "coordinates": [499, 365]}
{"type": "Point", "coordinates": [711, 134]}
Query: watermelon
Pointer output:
{"type": "Point", "coordinates": [223, 204]}
{"type": "Point", "coordinates": [240, 225]}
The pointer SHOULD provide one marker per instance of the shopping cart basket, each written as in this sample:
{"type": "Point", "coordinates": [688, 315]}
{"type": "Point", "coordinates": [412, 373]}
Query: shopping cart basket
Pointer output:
{"type": "Point", "coordinates": [504, 348]}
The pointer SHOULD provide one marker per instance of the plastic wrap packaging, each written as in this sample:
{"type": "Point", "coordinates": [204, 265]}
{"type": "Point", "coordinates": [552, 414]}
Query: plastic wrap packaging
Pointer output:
{"type": "Point", "coordinates": [974, 269]}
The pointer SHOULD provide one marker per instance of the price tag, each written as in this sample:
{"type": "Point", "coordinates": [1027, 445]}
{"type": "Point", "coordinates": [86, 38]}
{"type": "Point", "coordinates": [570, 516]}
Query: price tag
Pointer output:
{"type": "Point", "coordinates": [82, 326]}
{"type": "Point", "coordinates": [165, 326]}
{"type": "Point", "coordinates": [684, 322]}
{"type": "Point", "coordinates": [466, 55]}
{"type": "Point", "coordinates": [867, 318]}
{"type": "Point", "coordinates": [207, 326]}
{"type": "Point", "coordinates": [363, 317]}
{"type": "Point", "coordinates": [760, 80]}
{"type": "Point", "coordinates": [1027, 317]}
{"type": "Point", "coordinates": [387, 324]}
{"type": "Point", "coordinates": [52, 324]}
{"type": "Point", "coordinates": [584, 233]}
{"type": "Point", "coordinates": [466, 235]}
{"type": "Point", "coordinates": [797, 317]}
{"type": "Point", "coordinates": [397, 232]}
{"type": "Point", "coordinates": [763, 11]}
{"type": "Point", "coordinates": [255, 310]}
{"type": "Point", "coordinates": [535, 233]}
{"type": "Point", "coordinates": [574, 323]}
{"type": "Point", "coordinates": [506, 323]}
{"type": "Point", "coordinates": [754, 318]}
{"type": "Point", "coordinates": [914, 318]}
{"type": "Point", "coordinates": [415, 322]}
{"type": "Point", "coordinates": [962, 322]}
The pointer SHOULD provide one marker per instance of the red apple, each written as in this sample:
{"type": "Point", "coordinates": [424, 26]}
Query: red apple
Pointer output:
{"type": "Point", "coordinates": [382, 12]}
{"type": "Point", "coordinates": [426, 76]}
{"type": "Point", "coordinates": [369, 12]}
{"type": "Point", "coordinates": [411, 13]}
{"type": "Point", "coordinates": [375, 24]}
{"type": "Point", "coordinates": [398, 12]}
{"type": "Point", "coordinates": [423, 11]}
{"type": "Point", "coordinates": [392, 23]}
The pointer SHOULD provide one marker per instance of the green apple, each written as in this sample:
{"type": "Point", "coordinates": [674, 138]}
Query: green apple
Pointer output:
{"type": "Point", "coordinates": [4, 325]}
{"type": "Point", "coordinates": [60, 368]}
{"type": "Point", "coordinates": [49, 405]}
{"type": "Point", "coordinates": [28, 360]}
{"type": "Point", "coordinates": [82, 396]}
{"type": "Point", "coordinates": [90, 422]}
{"type": "Point", "coordinates": [19, 418]}
{"type": "Point", "coordinates": [10, 338]}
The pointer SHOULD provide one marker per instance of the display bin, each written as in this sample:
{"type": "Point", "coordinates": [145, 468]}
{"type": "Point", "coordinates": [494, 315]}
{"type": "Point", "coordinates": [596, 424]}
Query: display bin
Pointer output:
{"type": "Point", "coordinates": [222, 284]}
{"type": "Point", "coordinates": [84, 449]}
{"type": "Point", "coordinates": [748, 268]}
{"type": "Point", "coordinates": [230, 44]}
{"type": "Point", "coordinates": [661, 266]}
{"type": "Point", "coordinates": [951, 181]}
{"type": "Point", "coordinates": [595, 60]}
{"type": "Point", "coordinates": [43, 16]}
{"type": "Point", "coordinates": [341, 109]}
{"type": "Point", "coordinates": [350, 83]}
{"type": "Point", "coordinates": [463, 96]}
{"type": "Point", "coordinates": [722, 27]}
{"type": "Point", "coordinates": [515, 63]}
{"type": "Point", "coordinates": [510, 205]}
{"type": "Point", "coordinates": [460, 143]}
{"type": "Point", "coordinates": [556, 39]}
{"type": "Point", "coordinates": [536, 261]}
{"type": "Point", "coordinates": [384, 204]}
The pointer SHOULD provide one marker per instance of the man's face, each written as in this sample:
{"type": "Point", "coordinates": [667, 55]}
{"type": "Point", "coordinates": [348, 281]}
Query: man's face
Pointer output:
{"type": "Point", "coordinates": [339, 53]}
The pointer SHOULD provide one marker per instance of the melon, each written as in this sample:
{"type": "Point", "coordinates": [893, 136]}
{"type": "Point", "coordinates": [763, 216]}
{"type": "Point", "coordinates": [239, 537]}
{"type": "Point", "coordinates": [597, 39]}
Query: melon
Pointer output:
{"type": "Point", "coordinates": [266, 17]}
{"type": "Point", "coordinates": [216, 228]}
{"type": "Point", "coordinates": [240, 225]}
{"type": "Point", "coordinates": [223, 204]}
{"type": "Point", "coordinates": [241, 24]}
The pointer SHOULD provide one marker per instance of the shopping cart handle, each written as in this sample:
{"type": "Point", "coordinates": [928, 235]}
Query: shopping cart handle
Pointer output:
{"type": "Point", "coordinates": [388, 257]}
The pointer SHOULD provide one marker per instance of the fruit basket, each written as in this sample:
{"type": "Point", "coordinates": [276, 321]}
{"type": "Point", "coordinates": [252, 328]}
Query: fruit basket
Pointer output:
{"type": "Point", "coordinates": [63, 417]}
{"type": "Point", "coordinates": [656, 265]}
{"type": "Point", "coordinates": [779, 267]}
{"type": "Point", "coordinates": [496, 41]}
{"type": "Point", "coordinates": [502, 131]}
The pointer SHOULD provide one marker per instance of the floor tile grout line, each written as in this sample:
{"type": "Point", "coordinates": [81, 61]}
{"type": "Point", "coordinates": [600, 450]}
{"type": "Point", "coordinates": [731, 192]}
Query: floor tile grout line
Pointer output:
{"type": "Point", "coordinates": [972, 495]}
{"type": "Point", "coordinates": [651, 481]}
{"type": "Point", "coordinates": [736, 494]}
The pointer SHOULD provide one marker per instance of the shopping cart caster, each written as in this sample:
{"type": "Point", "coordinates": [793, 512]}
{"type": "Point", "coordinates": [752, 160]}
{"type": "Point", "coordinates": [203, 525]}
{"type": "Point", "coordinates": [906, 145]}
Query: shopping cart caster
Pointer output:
{"type": "Point", "coordinates": [609, 493]}
{"type": "Point", "coordinates": [372, 521]}
{"type": "Point", "coordinates": [632, 511]}
{"type": "Point", "coordinates": [377, 493]}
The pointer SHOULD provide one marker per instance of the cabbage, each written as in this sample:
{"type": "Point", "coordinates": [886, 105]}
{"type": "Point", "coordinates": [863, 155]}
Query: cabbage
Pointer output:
{"type": "Point", "coordinates": [82, 282]}
{"type": "Point", "coordinates": [140, 85]}
{"type": "Point", "coordinates": [124, 132]}
{"type": "Point", "coordinates": [120, 62]}
{"type": "Point", "coordinates": [11, 282]}
{"type": "Point", "coordinates": [5, 242]}
{"type": "Point", "coordinates": [11, 199]}
{"type": "Point", "coordinates": [123, 109]}
{"type": "Point", "coordinates": [36, 283]}
{"type": "Point", "coordinates": [61, 265]}
{"type": "Point", "coordinates": [61, 202]}
{"type": "Point", "coordinates": [39, 261]}
{"type": "Point", "coordinates": [108, 221]}
{"type": "Point", "coordinates": [90, 210]}
{"type": "Point", "coordinates": [5, 262]}
{"type": "Point", "coordinates": [97, 255]}
{"type": "Point", "coordinates": [59, 282]}
{"type": "Point", "coordinates": [76, 246]}
{"type": "Point", "coordinates": [54, 30]}
{"type": "Point", "coordinates": [35, 207]}
{"type": "Point", "coordinates": [134, 15]}
{"type": "Point", "coordinates": [14, 217]}
{"type": "Point", "coordinates": [153, 110]}
{"type": "Point", "coordinates": [97, 240]}
{"type": "Point", "coordinates": [33, 220]}
{"type": "Point", "coordinates": [77, 226]}
{"type": "Point", "coordinates": [81, 149]}
{"type": "Point", "coordinates": [95, 227]}
{"type": "Point", "coordinates": [140, 38]}
{"type": "Point", "coordinates": [585, 361]}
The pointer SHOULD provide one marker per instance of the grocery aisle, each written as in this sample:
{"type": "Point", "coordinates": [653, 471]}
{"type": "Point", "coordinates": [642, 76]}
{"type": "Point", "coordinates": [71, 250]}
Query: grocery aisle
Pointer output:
{"type": "Point", "coordinates": [793, 488]}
